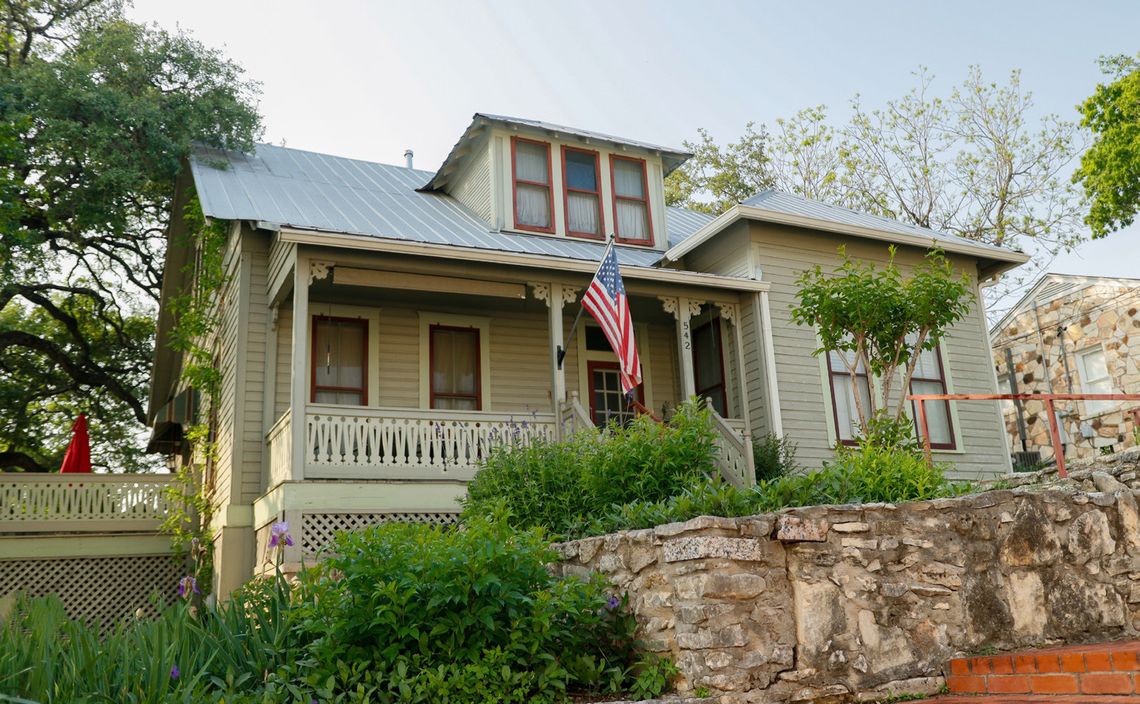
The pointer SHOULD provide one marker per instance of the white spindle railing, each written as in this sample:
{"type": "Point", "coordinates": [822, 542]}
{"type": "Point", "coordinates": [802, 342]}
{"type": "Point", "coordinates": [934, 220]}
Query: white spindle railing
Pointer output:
{"type": "Point", "coordinates": [574, 417]}
{"type": "Point", "coordinates": [66, 503]}
{"type": "Point", "coordinates": [279, 439]}
{"type": "Point", "coordinates": [734, 451]}
{"type": "Point", "coordinates": [398, 443]}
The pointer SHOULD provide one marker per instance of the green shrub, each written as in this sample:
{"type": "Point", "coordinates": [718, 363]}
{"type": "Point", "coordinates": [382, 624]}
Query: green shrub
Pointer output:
{"type": "Point", "coordinates": [865, 474]}
{"type": "Point", "coordinates": [774, 457]}
{"type": "Point", "coordinates": [470, 615]}
{"type": "Point", "coordinates": [563, 486]}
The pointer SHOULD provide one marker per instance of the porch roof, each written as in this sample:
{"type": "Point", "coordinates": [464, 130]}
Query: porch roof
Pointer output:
{"type": "Point", "coordinates": [279, 187]}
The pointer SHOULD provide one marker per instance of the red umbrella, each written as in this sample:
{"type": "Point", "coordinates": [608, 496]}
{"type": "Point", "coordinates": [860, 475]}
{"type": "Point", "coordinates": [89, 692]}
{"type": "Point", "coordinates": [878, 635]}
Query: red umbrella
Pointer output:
{"type": "Point", "coordinates": [78, 457]}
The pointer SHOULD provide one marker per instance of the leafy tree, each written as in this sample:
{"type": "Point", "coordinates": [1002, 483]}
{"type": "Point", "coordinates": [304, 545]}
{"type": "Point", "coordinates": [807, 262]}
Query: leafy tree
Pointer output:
{"type": "Point", "coordinates": [881, 320]}
{"type": "Point", "coordinates": [96, 115]}
{"type": "Point", "coordinates": [1110, 169]}
{"type": "Point", "coordinates": [971, 163]}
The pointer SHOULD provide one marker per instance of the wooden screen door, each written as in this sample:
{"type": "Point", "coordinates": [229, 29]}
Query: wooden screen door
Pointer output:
{"type": "Point", "coordinates": [607, 402]}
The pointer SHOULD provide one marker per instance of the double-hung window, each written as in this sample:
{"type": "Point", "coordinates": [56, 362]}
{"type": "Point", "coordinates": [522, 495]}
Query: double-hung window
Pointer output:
{"type": "Point", "coordinates": [1095, 379]}
{"type": "Point", "coordinates": [843, 390]}
{"type": "Point", "coordinates": [454, 374]}
{"type": "Point", "coordinates": [534, 201]}
{"type": "Point", "coordinates": [930, 378]}
{"type": "Point", "coordinates": [340, 366]}
{"type": "Point", "coordinates": [632, 222]}
{"type": "Point", "coordinates": [583, 193]}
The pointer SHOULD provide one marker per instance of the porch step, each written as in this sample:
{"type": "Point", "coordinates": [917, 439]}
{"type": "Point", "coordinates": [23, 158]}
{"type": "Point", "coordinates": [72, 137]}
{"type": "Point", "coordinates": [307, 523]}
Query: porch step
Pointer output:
{"type": "Point", "coordinates": [1095, 670]}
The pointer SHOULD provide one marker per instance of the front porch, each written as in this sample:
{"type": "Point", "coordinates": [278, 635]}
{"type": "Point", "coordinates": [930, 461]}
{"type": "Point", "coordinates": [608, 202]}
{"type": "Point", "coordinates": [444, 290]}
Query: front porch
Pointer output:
{"type": "Point", "coordinates": [401, 375]}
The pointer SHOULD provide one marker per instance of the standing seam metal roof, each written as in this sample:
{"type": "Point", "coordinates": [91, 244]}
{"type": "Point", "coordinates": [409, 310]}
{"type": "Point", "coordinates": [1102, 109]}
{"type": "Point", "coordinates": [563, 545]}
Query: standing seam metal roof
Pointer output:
{"type": "Point", "coordinates": [311, 191]}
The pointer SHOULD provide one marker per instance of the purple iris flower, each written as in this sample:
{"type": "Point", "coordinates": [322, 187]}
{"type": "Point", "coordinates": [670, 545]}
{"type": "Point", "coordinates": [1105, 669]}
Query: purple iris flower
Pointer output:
{"type": "Point", "coordinates": [279, 534]}
{"type": "Point", "coordinates": [187, 586]}
{"type": "Point", "coordinates": [175, 673]}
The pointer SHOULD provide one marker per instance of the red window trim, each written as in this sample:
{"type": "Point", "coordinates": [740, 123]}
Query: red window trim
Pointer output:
{"type": "Point", "coordinates": [515, 181]}
{"type": "Point", "coordinates": [591, 366]}
{"type": "Point", "coordinates": [953, 444]}
{"type": "Point", "coordinates": [722, 386]}
{"type": "Point", "coordinates": [831, 374]}
{"type": "Point", "coordinates": [645, 189]}
{"type": "Point", "coordinates": [432, 394]}
{"type": "Point", "coordinates": [363, 388]}
{"type": "Point", "coordinates": [567, 190]}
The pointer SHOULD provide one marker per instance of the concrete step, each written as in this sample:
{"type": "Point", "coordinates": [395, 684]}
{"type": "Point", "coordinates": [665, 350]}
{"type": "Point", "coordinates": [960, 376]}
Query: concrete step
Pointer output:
{"type": "Point", "coordinates": [1097, 669]}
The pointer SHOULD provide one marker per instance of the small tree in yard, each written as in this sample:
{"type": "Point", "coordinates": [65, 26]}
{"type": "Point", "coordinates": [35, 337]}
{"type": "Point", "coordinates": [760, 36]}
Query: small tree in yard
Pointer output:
{"type": "Point", "coordinates": [880, 320]}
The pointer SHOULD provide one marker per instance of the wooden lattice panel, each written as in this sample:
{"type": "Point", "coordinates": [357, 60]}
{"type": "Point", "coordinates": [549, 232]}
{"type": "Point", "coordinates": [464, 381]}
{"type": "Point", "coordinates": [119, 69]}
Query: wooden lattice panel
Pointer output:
{"type": "Point", "coordinates": [318, 529]}
{"type": "Point", "coordinates": [104, 589]}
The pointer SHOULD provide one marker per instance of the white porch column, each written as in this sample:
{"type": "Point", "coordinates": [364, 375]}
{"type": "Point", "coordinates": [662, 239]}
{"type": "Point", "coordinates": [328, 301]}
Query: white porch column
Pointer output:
{"type": "Point", "coordinates": [683, 309]}
{"type": "Point", "coordinates": [763, 314]}
{"type": "Point", "coordinates": [305, 271]}
{"type": "Point", "coordinates": [555, 295]}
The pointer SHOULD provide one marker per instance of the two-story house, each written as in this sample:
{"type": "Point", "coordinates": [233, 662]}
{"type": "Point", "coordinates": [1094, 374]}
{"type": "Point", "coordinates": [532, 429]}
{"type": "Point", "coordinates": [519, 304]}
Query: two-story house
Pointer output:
{"type": "Point", "coordinates": [1071, 334]}
{"type": "Point", "coordinates": [382, 326]}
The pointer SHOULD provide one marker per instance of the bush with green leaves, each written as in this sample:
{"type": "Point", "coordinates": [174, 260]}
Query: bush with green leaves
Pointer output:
{"type": "Point", "coordinates": [774, 456]}
{"type": "Point", "coordinates": [471, 615]}
{"type": "Point", "coordinates": [563, 486]}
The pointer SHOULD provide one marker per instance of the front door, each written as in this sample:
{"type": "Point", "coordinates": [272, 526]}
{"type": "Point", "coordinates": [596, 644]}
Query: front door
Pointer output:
{"type": "Point", "coordinates": [708, 365]}
{"type": "Point", "coordinates": [607, 402]}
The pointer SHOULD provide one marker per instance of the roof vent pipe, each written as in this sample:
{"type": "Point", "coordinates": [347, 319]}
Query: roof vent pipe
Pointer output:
{"type": "Point", "coordinates": [408, 154]}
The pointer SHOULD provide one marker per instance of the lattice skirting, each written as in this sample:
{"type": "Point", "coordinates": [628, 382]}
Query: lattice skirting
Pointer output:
{"type": "Point", "coordinates": [105, 589]}
{"type": "Point", "coordinates": [318, 529]}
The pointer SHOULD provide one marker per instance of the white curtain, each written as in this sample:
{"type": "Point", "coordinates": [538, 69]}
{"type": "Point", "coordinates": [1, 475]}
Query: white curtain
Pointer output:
{"type": "Point", "coordinates": [632, 215]}
{"type": "Point", "coordinates": [847, 415]}
{"type": "Point", "coordinates": [532, 202]}
{"type": "Point", "coordinates": [628, 181]}
{"type": "Point", "coordinates": [582, 213]}
{"type": "Point", "coordinates": [454, 363]}
{"type": "Point", "coordinates": [937, 412]}
{"type": "Point", "coordinates": [632, 220]}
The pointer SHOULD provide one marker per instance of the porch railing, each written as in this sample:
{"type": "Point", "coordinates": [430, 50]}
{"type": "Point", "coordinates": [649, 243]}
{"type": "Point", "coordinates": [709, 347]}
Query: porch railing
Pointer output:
{"type": "Point", "coordinates": [401, 443]}
{"type": "Point", "coordinates": [734, 451]}
{"type": "Point", "coordinates": [574, 417]}
{"type": "Point", "coordinates": [279, 440]}
{"type": "Point", "coordinates": [94, 503]}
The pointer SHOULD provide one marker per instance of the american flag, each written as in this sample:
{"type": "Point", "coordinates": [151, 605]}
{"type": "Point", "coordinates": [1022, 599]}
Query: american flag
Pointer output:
{"type": "Point", "coordinates": [606, 300]}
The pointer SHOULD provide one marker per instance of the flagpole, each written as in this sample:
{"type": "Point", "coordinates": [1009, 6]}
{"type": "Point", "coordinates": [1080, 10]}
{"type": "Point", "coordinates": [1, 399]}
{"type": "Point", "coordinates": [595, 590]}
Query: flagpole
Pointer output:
{"type": "Point", "coordinates": [574, 325]}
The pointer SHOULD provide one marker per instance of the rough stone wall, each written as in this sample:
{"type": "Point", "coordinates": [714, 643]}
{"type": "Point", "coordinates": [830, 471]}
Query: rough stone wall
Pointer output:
{"type": "Point", "coordinates": [847, 603]}
{"type": "Point", "coordinates": [1097, 315]}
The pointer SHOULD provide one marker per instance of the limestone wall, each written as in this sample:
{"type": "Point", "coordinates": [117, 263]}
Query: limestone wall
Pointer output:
{"type": "Point", "coordinates": [856, 602]}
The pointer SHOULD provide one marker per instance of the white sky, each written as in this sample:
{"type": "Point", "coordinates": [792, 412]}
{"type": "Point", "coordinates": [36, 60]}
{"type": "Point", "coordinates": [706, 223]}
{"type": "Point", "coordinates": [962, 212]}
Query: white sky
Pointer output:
{"type": "Point", "coordinates": [370, 79]}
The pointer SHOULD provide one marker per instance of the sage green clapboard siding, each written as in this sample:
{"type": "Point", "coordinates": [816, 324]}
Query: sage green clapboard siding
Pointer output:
{"type": "Point", "coordinates": [783, 253]}
{"type": "Point", "coordinates": [473, 187]}
{"type": "Point", "coordinates": [226, 357]}
{"type": "Point", "coordinates": [254, 332]}
{"type": "Point", "coordinates": [519, 358]}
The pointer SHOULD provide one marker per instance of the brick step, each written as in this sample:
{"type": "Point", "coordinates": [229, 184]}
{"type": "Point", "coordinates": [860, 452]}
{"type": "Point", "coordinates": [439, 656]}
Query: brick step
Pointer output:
{"type": "Point", "coordinates": [1093, 669]}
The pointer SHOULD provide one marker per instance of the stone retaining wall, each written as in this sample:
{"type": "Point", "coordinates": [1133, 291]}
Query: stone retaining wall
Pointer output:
{"type": "Point", "coordinates": [846, 603]}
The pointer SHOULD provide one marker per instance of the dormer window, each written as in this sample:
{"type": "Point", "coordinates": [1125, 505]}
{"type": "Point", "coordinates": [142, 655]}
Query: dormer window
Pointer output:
{"type": "Point", "coordinates": [632, 223]}
{"type": "Point", "coordinates": [534, 201]}
{"type": "Point", "coordinates": [583, 193]}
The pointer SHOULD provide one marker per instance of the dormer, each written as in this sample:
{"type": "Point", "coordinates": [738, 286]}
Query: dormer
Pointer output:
{"type": "Point", "coordinates": [536, 178]}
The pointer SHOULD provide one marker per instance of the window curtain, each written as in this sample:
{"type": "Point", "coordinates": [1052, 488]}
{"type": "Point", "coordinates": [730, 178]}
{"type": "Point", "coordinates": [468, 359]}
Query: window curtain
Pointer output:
{"type": "Point", "coordinates": [339, 362]}
{"type": "Point", "coordinates": [632, 215]}
{"type": "Point", "coordinates": [582, 213]}
{"type": "Point", "coordinates": [928, 379]}
{"type": "Point", "coordinates": [843, 392]}
{"type": "Point", "coordinates": [532, 202]}
{"type": "Point", "coordinates": [454, 369]}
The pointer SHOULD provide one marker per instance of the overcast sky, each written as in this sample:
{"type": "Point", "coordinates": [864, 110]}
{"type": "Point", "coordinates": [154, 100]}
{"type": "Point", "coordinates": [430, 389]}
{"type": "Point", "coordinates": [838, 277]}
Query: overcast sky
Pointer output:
{"type": "Point", "coordinates": [370, 79]}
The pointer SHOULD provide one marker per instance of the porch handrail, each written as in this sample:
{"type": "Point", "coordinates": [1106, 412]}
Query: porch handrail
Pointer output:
{"type": "Point", "coordinates": [734, 452]}
{"type": "Point", "coordinates": [575, 415]}
{"type": "Point", "coordinates": [1046, 399]}
{"type": "Point", "coordinates": [279, 445]}
{"type": "Point", "coordinates": [66, 503]}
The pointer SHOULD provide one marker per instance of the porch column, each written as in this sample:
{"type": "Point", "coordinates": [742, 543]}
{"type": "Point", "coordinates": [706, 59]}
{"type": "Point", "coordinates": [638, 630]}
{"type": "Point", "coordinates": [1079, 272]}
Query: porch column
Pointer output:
{"type": "Point", "coordinates": [763, 314]}
{"type": "Point", "coordinates": [555, 295]}
{"type": "Point", "coordinates": [683, 309]}
{"type": "Point", "coordinates": [305, 271]}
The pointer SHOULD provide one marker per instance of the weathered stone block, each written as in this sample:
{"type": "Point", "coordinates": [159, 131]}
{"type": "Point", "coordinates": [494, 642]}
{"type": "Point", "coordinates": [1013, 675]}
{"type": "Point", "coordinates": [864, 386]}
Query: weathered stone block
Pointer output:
{"type": "Point", "coordinates": [704, 547]}
{"type": "Point", "coordinates": [791, 529]}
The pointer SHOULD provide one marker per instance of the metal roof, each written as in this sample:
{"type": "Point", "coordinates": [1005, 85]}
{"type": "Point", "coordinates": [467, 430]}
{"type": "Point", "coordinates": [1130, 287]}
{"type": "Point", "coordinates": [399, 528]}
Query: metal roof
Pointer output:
{"type": "Point", "coordinates": [670, 158]}
{"type": "Point", "coordinates": [306, 190]}
{"type": "Point", "coordinates": [779, 202]}
{"type": "Point", "coordinates": [1052, 286]}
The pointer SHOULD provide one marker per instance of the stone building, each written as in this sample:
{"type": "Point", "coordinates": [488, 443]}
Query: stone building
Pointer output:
{"type": "Point", "coordinates": [1072, 334]}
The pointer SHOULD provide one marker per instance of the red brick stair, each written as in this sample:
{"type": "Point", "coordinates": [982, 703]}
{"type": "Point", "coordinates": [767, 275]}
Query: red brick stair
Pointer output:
{"type": "Point", "coordinates": [1098, 673]}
